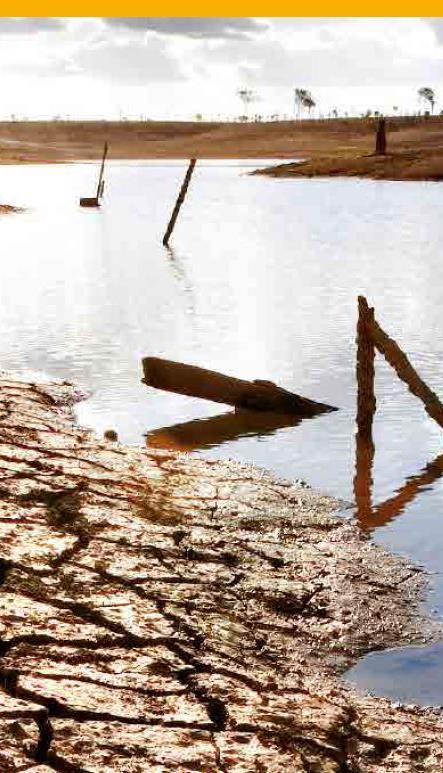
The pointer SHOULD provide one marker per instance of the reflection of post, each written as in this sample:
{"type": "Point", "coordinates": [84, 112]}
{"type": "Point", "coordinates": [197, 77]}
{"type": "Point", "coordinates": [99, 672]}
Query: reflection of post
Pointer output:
{"type": "Point", "coordinates": [391, 508]}
{"type": "Point", "coordinates": [364, 458]}
{"type": "Point", "coordinates": [364, 455]}
{"type": "Point", "coordinates": [179, 202]}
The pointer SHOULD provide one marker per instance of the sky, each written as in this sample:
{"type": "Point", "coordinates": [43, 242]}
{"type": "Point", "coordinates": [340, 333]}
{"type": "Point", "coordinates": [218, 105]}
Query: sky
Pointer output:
{"type": "Point", "coordinates": [178, 67]}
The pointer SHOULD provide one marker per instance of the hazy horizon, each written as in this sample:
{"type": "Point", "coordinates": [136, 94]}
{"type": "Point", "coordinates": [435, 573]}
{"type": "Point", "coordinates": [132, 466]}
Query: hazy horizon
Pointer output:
{"type": "Point", "coordinates": [174, 68]}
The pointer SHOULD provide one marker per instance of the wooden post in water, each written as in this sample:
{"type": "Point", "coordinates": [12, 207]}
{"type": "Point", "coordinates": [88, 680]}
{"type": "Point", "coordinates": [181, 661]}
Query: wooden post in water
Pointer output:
{"type": "Point", "coordinates": [101, 183]}
{"type": "Point", "coordinates": [366, 404]}
{"type": "Point", "coordinates": [406, 372]}
{"type": "Point", "coordinates": [179, 202]}
{"type": "Point", "coordinates": [380, 137]}
{"type": "Point", "coordinates": [94, 201]}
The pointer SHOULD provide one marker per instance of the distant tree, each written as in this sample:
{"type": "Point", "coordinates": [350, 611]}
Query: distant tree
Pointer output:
{"type": "Point", "coordinates": [427, 95]}
{"type": "Point", "coordinates": [309, 103]}
{"type": "Point", "coordinates": [303, 99]}
{"type": "Point", "coordinates": [247, 96]}
{"type": "Point", "coordinates": [198, 117]}
{"type": "Point", "coordinates": [335, 113]}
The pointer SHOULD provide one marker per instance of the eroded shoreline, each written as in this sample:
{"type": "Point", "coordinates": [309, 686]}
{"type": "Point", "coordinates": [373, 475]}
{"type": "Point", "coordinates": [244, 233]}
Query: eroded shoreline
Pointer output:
{"type": "Point", "coordinates": [160, 610]}
{"type": "Point", "coordinates": [413, 166]}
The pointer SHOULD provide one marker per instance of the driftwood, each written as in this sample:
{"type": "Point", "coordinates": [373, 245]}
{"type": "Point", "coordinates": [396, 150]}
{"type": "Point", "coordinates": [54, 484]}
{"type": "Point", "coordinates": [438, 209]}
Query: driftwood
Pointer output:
{"type": "Point", "coordinates": [179, 202]}
{"type": "Point", "coordinates": [210, 385]}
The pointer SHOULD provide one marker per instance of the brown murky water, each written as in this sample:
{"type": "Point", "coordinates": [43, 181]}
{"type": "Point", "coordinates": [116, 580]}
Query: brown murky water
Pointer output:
{"type": "Point", "coordinates": [261, 281]}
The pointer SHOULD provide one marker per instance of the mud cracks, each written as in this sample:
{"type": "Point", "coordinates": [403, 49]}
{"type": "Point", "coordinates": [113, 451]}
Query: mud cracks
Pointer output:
{"type": "Point", "coordinates": [160, 612]}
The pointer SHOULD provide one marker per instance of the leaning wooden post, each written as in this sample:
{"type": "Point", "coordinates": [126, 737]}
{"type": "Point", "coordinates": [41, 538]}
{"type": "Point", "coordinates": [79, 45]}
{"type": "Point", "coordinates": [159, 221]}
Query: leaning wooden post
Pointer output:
{"type": "Point", "coordinates": [405, 371]}
{"type": "Point", "coordinates": [100, 184]}
{"type": "Point", "coordinates": [179, 202]}
{"type": "Point", "coordinates": [366, 404]}
{"type": "Point", "coordinates": [380, 138]}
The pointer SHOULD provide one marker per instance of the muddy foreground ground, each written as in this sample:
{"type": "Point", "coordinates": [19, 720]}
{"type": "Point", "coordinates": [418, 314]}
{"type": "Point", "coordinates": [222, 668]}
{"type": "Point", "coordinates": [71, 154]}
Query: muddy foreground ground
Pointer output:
{"type": "Point", "coordinates": [163, 612]}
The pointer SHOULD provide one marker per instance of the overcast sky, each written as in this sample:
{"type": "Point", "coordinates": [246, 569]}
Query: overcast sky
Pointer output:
{"type": "Point", "coordinates": [169, 67]}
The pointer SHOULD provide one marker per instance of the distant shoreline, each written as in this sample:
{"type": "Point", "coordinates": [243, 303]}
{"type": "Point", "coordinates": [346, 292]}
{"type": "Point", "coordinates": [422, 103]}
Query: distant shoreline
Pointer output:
{"type": "Point", "coordinates": [342, 146]}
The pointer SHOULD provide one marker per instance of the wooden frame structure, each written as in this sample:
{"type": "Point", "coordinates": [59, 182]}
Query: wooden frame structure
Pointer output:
{"type": "Point", "coordinates": [371, 337]}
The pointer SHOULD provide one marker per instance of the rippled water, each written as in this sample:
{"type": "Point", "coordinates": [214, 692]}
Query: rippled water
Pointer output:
{"type": "Point", "coordinates": [261, 282]}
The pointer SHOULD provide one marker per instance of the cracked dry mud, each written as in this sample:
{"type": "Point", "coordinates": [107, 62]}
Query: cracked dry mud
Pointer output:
{"type": "Point", "coordinates": [161, 612]}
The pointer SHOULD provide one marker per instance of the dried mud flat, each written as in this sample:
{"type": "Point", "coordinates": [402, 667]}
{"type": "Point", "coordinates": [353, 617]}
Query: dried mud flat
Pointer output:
{"type": "Point", "coordinates": [161, 612]}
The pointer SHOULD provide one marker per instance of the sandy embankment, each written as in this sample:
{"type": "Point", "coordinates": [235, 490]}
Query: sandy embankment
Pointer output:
{"type": "Point", "coordinates": [160, 610]}
{"type": "Point", "coordinates": [339, 146]}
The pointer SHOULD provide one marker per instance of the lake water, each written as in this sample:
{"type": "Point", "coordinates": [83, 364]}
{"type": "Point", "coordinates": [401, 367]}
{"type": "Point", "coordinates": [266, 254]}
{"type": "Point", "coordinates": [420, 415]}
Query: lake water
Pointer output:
{"type": "Point", "coordinates": [261, 282]}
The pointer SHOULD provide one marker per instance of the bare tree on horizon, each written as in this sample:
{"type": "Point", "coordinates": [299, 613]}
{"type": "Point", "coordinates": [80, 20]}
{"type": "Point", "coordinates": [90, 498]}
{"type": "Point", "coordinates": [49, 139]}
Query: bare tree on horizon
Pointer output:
{"type": "Point", "coordinates": [427, 95]}
{"type": "Point", "coordinates": [303, 98]}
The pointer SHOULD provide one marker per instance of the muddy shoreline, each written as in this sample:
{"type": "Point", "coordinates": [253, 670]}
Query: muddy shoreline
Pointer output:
{"type": "Point", "coordinates": [406, 166]}
{"type": "Point", "coordinates": [157, 610]}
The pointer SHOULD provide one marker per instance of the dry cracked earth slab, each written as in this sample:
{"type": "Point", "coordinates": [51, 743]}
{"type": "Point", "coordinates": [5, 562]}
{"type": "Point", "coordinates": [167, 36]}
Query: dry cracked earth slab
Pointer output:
{"type": "Point", "coordinates": [161, 612]}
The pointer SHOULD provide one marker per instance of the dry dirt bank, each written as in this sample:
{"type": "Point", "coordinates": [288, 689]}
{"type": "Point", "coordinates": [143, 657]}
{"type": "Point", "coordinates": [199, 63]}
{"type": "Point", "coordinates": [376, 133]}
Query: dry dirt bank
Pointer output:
{"type": "Point", "coordinates": [161, 612]}
{"type": "Point", "coordinates": [405, 165]}
{"type": "Point", "coordinates": [51, 141]}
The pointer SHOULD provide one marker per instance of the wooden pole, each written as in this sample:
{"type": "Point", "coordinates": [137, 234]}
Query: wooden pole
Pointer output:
{"type": "Point", "coordinates": [405, 371]}
{"type": "Point", "coordinates": [380, 137]}
{"type": "Point", "coordinates": [366, 404]}
{"type": "Point", "coordinates": [100, 184]}
{"type": "Point", "coordinates": [209, 385]}
{"type": "Point", "coordinates": [179, 202]}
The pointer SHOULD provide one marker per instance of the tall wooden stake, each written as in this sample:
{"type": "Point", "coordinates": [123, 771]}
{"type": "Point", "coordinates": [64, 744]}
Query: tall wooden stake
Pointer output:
{"type": "Point", "coordinates": [380, 138]}
{"type": "Point", "coordinates": [100, 184]}
{"type": "Point", "coordinates": [366, 404]}
{"type": "Point", "coordinates": [179, 202]}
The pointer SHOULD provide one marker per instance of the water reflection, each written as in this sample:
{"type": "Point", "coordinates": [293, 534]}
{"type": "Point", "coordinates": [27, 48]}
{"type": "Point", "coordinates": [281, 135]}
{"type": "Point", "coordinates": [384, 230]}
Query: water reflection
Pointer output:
{"type": "Point", "coordinates": [371, 516]}
{"type": "Point", "coordinates": [383, 673]}
{"type": "Point", "coordinates": [213, 431]}
{"type": "Point", "coordinates": [179, 270]}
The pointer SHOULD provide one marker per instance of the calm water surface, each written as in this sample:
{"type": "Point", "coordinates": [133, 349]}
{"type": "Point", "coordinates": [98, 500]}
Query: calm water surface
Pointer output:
{"type": "Point", "coordinates": [261, 282]}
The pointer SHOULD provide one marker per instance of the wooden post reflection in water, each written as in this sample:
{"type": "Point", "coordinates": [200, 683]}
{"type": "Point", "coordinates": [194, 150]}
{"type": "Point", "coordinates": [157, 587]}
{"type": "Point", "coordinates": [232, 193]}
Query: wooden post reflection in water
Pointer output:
{"type": "Point", "coordinates": [395, 505]}
{"type": "Point", "coordinates": [366, 404]}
